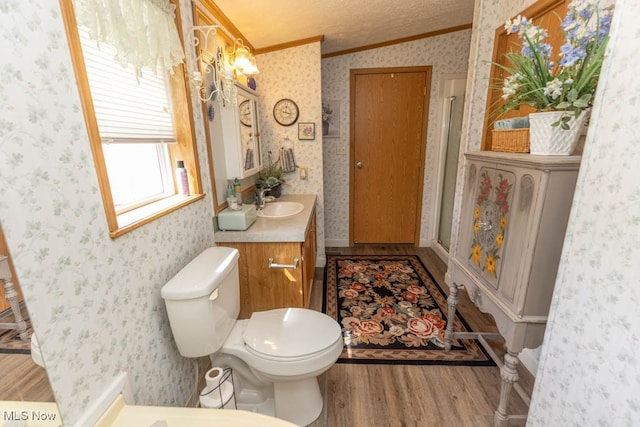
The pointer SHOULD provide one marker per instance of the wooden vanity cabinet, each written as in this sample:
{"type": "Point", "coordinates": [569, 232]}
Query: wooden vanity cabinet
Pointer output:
{"type": "Point", "coordinates": [263, 288]}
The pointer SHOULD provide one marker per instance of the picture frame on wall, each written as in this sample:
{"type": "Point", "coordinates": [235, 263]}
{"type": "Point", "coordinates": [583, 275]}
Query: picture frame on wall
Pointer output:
{"type": "Point", "coordinates": [331, 118]}
{"type": "Point", "coordinates": [306, 130]}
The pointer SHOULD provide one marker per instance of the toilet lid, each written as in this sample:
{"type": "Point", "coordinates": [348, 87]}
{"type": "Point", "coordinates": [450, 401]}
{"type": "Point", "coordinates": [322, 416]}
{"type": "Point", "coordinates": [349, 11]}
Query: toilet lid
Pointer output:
{"type": "Point", "coordinates": [290, 332]}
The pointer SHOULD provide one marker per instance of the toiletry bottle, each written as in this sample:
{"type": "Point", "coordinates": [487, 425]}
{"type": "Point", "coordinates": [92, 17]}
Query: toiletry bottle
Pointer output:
{"type": "Point", "coordinates": [237, 192]}
{"type": "Point", "coordinates": [182, 178]}
{"type": "Point", "coordinates": [231, 198]}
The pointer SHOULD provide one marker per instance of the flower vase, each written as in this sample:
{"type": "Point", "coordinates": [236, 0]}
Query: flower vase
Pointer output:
{"type": "Point", "coordinates": [545, 139]}
{"type": "Point", "coordinates": [325, 127]}
{"type": "Point", "coordinates": [275, 191]}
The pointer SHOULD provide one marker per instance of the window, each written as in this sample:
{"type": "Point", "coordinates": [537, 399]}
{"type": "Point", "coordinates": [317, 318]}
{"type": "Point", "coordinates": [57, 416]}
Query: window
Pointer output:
{"type": "Point", "coordinates": [138, 127]}
{"type": "Point", "coordinates": [138, 174]}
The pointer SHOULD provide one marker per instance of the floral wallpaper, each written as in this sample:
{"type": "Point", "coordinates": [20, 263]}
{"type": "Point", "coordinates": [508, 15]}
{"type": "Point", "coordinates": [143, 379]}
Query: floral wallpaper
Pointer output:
{"type": "Point", "coordinates": [584, 378]}
{"type": "Point", "coordinates": [590, 366]}
{"type": "Point", "coordinates": [294, 73]}
{"type": "Point", "coordinates": [95, 302]}
{"type": "Point", "coordinates": [447, 54]}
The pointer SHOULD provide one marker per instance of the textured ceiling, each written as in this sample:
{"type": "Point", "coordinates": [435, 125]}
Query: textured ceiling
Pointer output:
{"type": "Point", "coordinates": [345, 24]}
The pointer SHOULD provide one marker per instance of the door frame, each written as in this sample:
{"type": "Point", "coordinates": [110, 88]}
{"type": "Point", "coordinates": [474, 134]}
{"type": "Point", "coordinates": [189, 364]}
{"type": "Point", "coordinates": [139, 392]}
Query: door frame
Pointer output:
{"type": "Point", "coordinates": [427, 69]}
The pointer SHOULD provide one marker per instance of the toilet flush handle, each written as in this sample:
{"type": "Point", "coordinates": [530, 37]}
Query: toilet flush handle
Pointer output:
{"type": "Point", "coordinates": [214, 295]}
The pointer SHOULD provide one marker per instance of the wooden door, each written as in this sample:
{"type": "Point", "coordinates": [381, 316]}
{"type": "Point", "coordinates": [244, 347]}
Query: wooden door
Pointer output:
{"type": "Point", "coordinates": [388, 140]}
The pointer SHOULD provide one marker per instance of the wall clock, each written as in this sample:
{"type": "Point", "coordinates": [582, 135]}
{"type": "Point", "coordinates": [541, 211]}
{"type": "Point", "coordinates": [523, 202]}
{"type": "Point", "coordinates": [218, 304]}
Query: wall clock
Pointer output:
{"type": "Point", "coordinates": [244, 110]}
{"type": "Point", "coordinates": [285, 112]}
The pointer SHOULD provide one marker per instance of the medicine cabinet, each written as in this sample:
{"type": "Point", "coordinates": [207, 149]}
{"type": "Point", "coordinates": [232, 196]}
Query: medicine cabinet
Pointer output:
{"type": "Point", "coordinates": [233, 139]}
{"type": "Point", "coordinates": [241, 134]}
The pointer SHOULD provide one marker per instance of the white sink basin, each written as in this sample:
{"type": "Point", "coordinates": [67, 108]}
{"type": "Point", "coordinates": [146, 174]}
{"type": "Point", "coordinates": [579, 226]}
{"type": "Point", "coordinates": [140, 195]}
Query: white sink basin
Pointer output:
{"type": "Point", "coordinates": [280, 209]}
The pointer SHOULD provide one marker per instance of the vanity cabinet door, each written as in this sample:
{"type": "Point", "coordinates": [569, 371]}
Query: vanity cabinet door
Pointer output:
{"type": "Point", "coordinates": [263, 288]}
{"type": "Point", "coordinates": [241, 135]}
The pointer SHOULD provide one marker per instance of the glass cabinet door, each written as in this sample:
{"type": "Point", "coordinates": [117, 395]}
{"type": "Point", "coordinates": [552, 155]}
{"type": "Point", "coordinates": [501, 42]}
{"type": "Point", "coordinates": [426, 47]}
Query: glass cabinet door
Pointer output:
{"type": "Point", "coordinates": [241, 135]}
{"type": "Point", "coordinates": [249, 133]}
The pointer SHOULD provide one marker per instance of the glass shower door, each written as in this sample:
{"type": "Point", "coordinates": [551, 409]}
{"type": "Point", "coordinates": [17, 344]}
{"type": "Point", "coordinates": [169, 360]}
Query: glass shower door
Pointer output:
{"type": "Point", "coordinates": [456, 104]}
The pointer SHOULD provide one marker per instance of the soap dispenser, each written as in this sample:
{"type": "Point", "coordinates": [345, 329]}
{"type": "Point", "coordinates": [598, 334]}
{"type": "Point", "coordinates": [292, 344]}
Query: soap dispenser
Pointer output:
{"type": "Point", "coordinates": [237, 192]}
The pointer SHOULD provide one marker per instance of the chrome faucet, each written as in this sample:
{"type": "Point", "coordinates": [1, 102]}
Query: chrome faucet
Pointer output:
{"type": "Point", "coordinates": [260, 198]}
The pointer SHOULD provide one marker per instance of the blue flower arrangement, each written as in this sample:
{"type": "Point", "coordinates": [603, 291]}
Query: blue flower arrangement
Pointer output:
{"type": "Point", "coordinates": [570, 84]}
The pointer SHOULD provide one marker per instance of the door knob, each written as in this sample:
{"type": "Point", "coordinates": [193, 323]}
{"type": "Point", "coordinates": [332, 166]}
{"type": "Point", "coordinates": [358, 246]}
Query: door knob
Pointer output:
{"type": "Point", "coordinates": [359, 165]}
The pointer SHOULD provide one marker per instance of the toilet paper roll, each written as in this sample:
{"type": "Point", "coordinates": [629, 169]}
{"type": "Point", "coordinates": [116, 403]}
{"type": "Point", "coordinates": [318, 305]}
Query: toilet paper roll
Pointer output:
{"type": "Point", "coordinates": [216, 394]}
{"type": "Point", "coordinates": [213, 376]}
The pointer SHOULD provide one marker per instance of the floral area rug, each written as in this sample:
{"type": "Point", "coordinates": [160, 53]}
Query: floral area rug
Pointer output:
{"type": "Point", "coordinates": [10, 341]}
{"type": "Point", "coordinates": [391, 310]}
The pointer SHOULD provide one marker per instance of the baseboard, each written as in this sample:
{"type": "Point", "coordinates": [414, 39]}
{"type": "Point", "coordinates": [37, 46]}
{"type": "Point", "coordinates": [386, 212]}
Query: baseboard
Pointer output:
{"type": "Point", "coordinates": [119, 385]}
{"type": "Point", "coordinates": [440, 251]}
{"type": "Point", "coordinates": [336, 243]}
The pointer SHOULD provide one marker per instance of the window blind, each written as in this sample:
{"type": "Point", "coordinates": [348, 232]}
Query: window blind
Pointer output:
{"type": "Point", "coordinates": [127, 109]}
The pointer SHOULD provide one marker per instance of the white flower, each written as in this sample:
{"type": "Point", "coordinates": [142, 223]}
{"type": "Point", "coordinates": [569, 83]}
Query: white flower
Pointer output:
{"type": "Point", "coordinates": [553, 88]}
{"type": "Point", "coordinates": [510, 86]}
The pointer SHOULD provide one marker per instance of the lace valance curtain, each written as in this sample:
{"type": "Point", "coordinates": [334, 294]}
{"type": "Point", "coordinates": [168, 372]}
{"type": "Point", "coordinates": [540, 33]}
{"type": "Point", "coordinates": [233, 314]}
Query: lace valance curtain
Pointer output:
{"type": "Point", "coordinates": [143, 32]}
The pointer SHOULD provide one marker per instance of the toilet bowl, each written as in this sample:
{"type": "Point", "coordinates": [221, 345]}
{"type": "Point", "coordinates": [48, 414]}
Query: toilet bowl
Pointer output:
{"type": "Point", "coordinates": [280, 352]}
{"type": "Point", "coordinates": [290, 348]}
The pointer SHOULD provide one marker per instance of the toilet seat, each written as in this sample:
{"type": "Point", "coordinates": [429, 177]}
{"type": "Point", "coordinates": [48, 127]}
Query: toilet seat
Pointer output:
{"type": "Point", "coordinates": [290, 333]}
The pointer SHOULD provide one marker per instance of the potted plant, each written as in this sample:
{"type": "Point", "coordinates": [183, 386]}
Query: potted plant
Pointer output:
{"type": "Point", "coordinates": [270, 177]}
{"type": "Point", "coordinates": [564, 89]}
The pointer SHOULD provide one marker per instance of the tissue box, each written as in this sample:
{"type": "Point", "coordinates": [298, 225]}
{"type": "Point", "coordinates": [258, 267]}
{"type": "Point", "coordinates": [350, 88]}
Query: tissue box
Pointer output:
{"type": "Point", "coordinates": [240, 220]}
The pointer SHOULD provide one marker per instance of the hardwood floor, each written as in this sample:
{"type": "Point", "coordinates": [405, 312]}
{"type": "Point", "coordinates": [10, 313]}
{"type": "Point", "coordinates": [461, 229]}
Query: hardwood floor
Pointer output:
{"type": "Point", "coordinates": [411, 395]}
{"type": "Point", "coordinates": [22, 379]}
{"type": "Point", "coordinates": [364, 395]}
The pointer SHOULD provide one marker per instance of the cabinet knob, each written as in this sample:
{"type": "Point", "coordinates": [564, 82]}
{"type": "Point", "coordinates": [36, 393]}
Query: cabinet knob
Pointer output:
{"type": "Point", "coordinates": [359, 165]}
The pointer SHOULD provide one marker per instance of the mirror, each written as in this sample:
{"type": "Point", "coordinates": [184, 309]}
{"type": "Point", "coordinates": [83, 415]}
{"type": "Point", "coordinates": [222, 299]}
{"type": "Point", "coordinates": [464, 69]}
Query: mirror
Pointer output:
{"type": "Point", "coordinates": [23, 379]}
{"type": "Point", "coordinates": [249, 133]}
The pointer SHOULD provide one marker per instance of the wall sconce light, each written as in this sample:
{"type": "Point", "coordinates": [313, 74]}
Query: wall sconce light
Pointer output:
{"type": "Point", "coordinates": [212, 78]}
{"type": "Point", "coordinates": [243, 60]}
{"type": "Point", "coordinates": [214, 75]}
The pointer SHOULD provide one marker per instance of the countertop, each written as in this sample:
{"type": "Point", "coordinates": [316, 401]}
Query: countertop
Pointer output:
{"type": "Point", "coordinates": [120, 414]}
{"type": "Point", "coordinates": [288, 229]}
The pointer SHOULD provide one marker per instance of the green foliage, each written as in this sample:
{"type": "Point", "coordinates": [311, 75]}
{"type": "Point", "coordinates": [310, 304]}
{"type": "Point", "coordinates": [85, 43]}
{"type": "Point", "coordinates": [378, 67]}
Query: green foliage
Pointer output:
{"type": "Point", "coordinates": [270, 176]}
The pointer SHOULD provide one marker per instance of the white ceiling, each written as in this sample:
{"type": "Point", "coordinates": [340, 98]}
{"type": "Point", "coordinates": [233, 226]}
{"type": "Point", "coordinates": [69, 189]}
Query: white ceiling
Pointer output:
{"type": "Point", "coordinates": [345, 24]}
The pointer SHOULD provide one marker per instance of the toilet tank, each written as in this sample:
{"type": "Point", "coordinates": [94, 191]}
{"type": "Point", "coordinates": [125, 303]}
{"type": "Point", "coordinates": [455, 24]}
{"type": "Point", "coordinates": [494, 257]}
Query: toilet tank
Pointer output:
{"type": "Point", "coordinates": [203, 301]}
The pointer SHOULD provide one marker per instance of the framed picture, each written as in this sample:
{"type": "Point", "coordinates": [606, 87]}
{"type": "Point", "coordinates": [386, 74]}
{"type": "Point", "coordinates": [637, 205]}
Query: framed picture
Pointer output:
{"type": "Point", "coordinates": [331, 118]}
{"type": "Point", "coordinates": [307, 131]}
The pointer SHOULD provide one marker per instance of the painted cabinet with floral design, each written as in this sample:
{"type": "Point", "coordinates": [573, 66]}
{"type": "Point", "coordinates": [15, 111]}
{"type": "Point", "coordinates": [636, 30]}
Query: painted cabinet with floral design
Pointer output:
{"type": "Point", "coordinates": [515, 210]}
{"type": "Point", "coordinates": [514, 216]}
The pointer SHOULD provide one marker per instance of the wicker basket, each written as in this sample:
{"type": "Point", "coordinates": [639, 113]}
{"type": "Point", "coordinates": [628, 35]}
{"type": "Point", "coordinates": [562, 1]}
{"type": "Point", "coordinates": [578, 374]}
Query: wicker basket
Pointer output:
{"type": "Point", "coordinates": [510, 140]}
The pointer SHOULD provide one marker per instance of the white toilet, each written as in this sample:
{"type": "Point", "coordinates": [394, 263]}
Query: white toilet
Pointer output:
{"type": "Point", "coordinates": [277, 354]}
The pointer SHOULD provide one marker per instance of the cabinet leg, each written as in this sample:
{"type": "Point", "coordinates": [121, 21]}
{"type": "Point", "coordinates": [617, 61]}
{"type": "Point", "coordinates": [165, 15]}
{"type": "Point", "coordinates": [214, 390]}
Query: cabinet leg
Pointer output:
{"type": "Point", "coordinates": [11, 295]}
{"type": "Point", "coordinates": [509, 376]}
{"type": "Point", "coordinates": [452, 301]}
